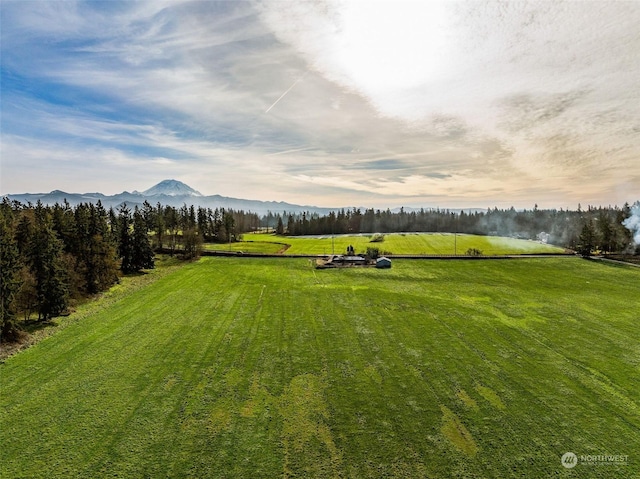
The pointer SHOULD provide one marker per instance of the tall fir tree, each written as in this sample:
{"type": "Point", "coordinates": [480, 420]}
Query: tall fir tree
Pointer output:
{"type": "Point", "coordinates": [142, 253]}
{"type": "Point", "coordinates": [159, 225]}
{"type": "Point", "coordinates": [45, 255]}
{"type": "Point", "coordinates": [125, 240]}
{"type": "Point", "coordinates": [98, 261]}
{"type": "Point", "coordinates": [9, 267]}
{"type": "Point", "coordinates": [587, 239]}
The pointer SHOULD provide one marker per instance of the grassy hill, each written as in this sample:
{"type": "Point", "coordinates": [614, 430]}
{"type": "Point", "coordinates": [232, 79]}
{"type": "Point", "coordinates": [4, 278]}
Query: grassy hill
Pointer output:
{"type": "Point", "coordinates": [396, 243]}
{"type": "Point", "coordinates": [267, 368]}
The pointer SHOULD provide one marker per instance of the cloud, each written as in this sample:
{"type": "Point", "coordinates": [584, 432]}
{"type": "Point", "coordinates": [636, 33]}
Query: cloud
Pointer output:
{"type": "Point", "coordinates": [327, 102]}
{"type": "Point", "coordinates": [526, 73]}
{"type": "Point", "coordinates": [525, 112]}
{"type": "Point", "coordinates": [387, 164]}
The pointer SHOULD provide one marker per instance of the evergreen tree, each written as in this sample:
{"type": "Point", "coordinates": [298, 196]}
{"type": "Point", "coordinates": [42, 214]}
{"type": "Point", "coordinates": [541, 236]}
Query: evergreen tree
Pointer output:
{"type": "Point", "coordinates": [587, 239]}
{"type": "Point", "coordinates": [229, 226]}
{"type": "Point", "coordinates": [63, 223]}
{"type": "Point", "coordinates": [291, 225]}
{"type": "Point", "coordinates": [203, 223]}
{"type": "Point", "coordinates": [113, 234]}
{"type": "Point", "coordinates": [216, 219]}
{"type": "Point", "coordinates": [100, 262]}
{"type": "Point", "coordinates": [149, 213]}
{"type": "Point", "coordinates": [159, 225]}
{"type": "Point", "coordinates": [191, 220]}
{"type": "Point", "coordinates": [142, 253]}
{"type": "Point", "coordinates": [606, 232]}
{"type": "Point", "coordinates": [192, 240]}
{"type": "Point", "coordinates": [26, 300]}
{"type": "Point", "coordinates": [173, 225]}
{"type": "Point", "coordinates": [125, 240]}
{"type": "Point", "coordinates": [45, 255]}
{"type": "Point", "coordinates": [9, 266]}
{"type": "Point", "coordinates": [24, 231]}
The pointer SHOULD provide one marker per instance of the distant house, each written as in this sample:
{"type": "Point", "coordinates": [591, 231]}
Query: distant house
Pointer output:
{"type": "Point", "coordinates": [383, 262]}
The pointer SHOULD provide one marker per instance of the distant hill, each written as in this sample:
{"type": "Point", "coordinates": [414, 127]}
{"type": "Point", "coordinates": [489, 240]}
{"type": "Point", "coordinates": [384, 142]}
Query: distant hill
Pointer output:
{"type": "Point", "coordinates": [168, 192]}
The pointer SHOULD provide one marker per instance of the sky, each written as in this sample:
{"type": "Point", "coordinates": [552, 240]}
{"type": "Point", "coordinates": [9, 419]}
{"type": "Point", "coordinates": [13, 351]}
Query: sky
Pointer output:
{"type": "Point", "coordinates": [329, 103]}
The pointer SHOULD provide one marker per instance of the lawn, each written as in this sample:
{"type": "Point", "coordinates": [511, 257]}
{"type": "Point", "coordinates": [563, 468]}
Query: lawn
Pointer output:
{"type": "Point", "coordinates": [235, 367]}
{"type": "Point", "coordinates": [396, 243]}
{"type": "Point", "coordinates": [264, 247]}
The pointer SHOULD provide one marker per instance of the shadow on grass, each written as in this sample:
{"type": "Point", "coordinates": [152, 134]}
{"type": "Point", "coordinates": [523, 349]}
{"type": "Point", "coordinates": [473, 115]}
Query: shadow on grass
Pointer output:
{"type": "Point", "coordinates": [135, 274]}
{"type": "Point", "coordinates": [620, 263]}
{"type": "Point", "coordinates": [32, 325]}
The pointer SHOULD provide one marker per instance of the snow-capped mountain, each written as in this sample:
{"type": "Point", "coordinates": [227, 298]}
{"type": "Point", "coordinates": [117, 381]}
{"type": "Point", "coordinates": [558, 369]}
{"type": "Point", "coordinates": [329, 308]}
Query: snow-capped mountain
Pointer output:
{"type": "Point", "coordinates": [171, 188]}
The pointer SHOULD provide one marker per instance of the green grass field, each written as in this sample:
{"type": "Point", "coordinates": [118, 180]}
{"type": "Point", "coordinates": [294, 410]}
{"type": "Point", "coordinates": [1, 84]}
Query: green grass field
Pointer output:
{"type": "Point", "coordinates": [264, 247]}
{"type": "Point", "coordinates": [396, 243]}
{"type": "Point", "coordinates": [235, 367]}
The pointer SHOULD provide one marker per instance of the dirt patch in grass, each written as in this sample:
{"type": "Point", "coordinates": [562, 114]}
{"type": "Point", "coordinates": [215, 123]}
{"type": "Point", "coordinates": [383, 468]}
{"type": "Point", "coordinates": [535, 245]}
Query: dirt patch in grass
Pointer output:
{"type": "Point", "coordinates": [491, 396]}
{"type": "Point", "coordinates": [457, 433]}
{"type": "Point", "coordinates": [284, 248]}
{"type": "Point", "coordinates": [467, 400]}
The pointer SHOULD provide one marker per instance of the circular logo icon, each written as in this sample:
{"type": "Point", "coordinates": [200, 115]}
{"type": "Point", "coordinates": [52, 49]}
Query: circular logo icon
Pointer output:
{"type": "Point", "coordinates": [569, 460]}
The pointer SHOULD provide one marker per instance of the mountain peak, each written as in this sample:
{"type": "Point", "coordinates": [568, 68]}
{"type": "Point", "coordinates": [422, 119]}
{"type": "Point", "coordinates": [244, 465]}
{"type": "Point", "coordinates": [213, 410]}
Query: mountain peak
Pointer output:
{"type": "Point", "coordinates": [171, 188]}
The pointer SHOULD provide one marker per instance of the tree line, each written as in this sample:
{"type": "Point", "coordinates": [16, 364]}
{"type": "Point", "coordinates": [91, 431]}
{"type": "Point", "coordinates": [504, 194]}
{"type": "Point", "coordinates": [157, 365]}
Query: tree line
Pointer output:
{"type": "Point", "coordinates": [589, 229]}
{"type": "Point", "coordinates": [51, 256]}
{"type": "Point", "coordinates": [184, 229]}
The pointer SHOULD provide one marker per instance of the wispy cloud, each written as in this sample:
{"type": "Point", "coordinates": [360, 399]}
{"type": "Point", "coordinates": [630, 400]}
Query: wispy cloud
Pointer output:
{"type": "Point", "coordinates": [332, 103]}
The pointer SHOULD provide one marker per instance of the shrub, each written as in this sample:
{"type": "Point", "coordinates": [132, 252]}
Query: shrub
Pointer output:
{"type": "Point", "coordinates": [373, 253]}
{"type": "Point", "coordinates": [377, 238]}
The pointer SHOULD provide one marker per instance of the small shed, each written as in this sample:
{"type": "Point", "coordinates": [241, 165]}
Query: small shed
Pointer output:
{"type": "Point", "coordinates": [383, 262]}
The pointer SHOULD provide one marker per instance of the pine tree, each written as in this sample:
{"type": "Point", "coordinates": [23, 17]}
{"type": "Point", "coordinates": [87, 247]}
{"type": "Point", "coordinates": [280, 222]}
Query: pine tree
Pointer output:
{"type": "Point", "coordinates": [173, 225]}
{"type": "Point", "coordinates": [9, 266]}
{"type": "Point", "coordinates": [125, 241]}
{"type": "Point", "coordinates": [159, 225]}
{"type": "Point", "coordinates": [192, 240]}
{"type": "Point", "coordinates": [203, 223]}
{"type": "Point", "coordinates": [26, 299]}
{"type": "Point", "coordinates": [606, 233]}
{"type": "Point", "coordinates": [63, 222]}
{"type": "Point", "coordinates": [142, 253]}
{"type": "Point", "coordinates": [229, 226]}
{"type": "Point", "coordinates": [134, 246]}
{"type": "Point", "coordinates": [113, 234]}
{"type": "Point", "coordinates": [100, 261]}
{"type": "Point", "coordinates": [587, 239]}
{"type": "Point", "coordinates": [45, 255]}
